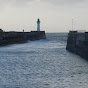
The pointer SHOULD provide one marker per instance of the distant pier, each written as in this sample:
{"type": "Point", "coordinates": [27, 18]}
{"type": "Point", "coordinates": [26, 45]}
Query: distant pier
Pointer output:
{"type": "Point", "coordinates": [19, 37]}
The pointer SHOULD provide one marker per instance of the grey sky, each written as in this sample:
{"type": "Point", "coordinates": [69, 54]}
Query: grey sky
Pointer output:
{"type": "Point", "coordinates": [55, 15]}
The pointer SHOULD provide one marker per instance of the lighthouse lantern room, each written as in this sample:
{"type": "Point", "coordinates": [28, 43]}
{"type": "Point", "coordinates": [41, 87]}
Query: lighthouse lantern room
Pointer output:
{"type": "Point", "coordinates": [38, 25]}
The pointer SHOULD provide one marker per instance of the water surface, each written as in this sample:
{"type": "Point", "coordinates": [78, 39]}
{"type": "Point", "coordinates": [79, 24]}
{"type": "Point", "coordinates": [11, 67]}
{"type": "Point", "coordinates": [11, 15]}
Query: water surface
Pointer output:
{"type": "Point", "coordinates": [42, 64]}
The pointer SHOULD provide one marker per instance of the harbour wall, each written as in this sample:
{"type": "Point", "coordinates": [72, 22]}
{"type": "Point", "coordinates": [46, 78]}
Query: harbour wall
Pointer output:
{"type": "Point", "coordinates": [77, 42]}
{"type": "Point", "coordinates": [20, 37]}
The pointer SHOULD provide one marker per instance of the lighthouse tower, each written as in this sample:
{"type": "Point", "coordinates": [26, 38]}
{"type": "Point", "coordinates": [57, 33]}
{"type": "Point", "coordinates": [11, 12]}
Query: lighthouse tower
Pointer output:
{"type": "Point", "coordinates": [38, 25]}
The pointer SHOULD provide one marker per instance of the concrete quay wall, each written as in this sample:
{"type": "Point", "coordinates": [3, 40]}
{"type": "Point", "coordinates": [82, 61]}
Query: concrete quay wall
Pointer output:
{"type": "Point", "coordinates": [77, 43]}
{"type": "Point", "coordinates": [18, 37]}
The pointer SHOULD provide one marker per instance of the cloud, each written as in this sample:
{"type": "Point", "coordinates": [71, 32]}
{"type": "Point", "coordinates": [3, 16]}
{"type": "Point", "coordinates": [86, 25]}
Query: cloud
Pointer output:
{"type": "Point", "coordinates": [16, 2]}
{"type": "Point", "coordinates": [27, 2]}
{"type": "Point", "coordinates": [66, 2]}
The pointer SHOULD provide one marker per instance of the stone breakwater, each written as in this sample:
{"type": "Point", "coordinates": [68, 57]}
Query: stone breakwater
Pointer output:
{"type": "Point", "coordinates": [20, 37]}
{"type": "Point", "coordinates": [77, 42]}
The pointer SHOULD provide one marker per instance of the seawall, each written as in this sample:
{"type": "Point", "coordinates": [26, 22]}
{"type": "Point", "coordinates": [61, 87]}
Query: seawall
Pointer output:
{"type": "Point", "coordinates": [20, 37]}
{"type": "Point", "coordinates": [77, 42]}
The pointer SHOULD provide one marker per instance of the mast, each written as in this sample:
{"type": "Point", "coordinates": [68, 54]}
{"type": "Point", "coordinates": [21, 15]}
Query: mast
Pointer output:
{"type": "Point", "coordinates": [72, 24]}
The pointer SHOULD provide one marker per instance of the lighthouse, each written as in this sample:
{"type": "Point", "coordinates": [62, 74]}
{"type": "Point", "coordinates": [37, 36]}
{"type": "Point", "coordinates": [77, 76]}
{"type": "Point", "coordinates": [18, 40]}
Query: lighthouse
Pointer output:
{"type": "Point", "coordinates": [38, 25]}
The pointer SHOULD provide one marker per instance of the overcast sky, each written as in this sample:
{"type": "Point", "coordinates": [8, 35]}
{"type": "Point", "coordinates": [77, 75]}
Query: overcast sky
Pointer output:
{"type": "Point", "coordinates": [55, 15]}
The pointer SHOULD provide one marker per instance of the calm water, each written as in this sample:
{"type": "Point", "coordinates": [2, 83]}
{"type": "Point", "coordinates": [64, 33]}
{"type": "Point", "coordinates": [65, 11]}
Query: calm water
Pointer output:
{"type": "Point", "coordinates": [42, 64]}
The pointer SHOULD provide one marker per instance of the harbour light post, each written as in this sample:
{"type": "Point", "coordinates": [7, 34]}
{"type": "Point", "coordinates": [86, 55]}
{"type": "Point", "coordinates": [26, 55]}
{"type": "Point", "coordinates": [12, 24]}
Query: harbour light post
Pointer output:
{"type": "Point", "coordinates": [38, 25]}
{"type": "Point", "coordinates": [72, 24]}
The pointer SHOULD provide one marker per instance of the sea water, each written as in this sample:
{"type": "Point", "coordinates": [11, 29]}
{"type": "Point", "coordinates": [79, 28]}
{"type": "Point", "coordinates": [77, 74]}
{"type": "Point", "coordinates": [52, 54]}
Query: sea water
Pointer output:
{"type": "Point", "coordinates": [42, 64]}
